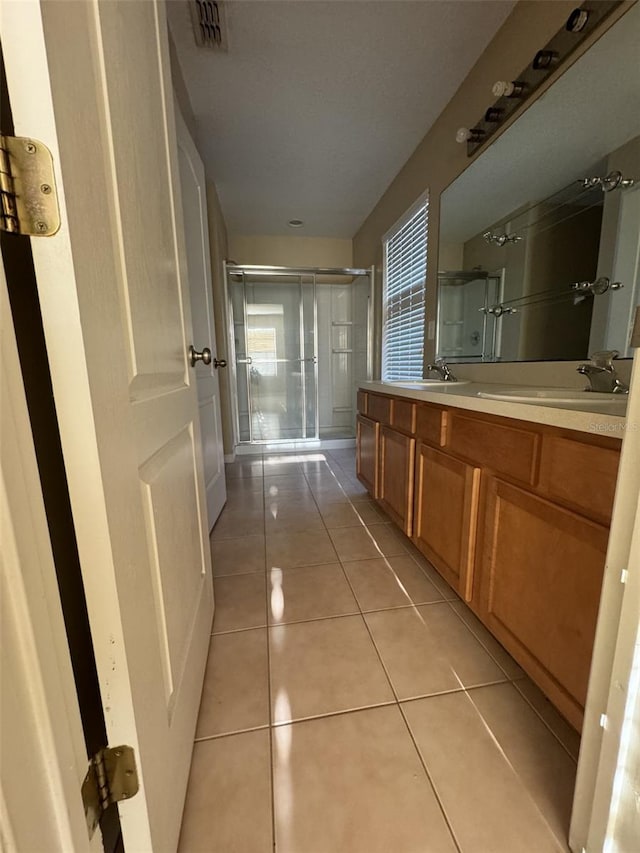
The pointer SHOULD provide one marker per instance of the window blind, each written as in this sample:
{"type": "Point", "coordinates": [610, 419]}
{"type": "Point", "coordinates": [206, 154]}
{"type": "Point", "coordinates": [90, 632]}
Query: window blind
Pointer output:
{"type": "Point", "coordinates": [262, 346]}
{"type": "Point", "coordinates": [405, 270]}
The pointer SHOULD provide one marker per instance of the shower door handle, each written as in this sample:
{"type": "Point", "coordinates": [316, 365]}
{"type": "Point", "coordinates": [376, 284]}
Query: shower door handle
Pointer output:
{"type": "Point", "coordinates": [248, 360]}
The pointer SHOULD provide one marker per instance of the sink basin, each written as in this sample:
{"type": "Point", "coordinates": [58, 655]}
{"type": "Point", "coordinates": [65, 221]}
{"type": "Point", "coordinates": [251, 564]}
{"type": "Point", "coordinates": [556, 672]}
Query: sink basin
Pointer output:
{"type": "Point", "coordinates": [617, 403]}
{"type": "Point", "coordinates": [423, 384]}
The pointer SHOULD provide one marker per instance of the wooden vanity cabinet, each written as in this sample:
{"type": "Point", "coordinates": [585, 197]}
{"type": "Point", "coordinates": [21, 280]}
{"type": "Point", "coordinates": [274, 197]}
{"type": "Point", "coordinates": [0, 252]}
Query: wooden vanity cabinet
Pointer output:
{"type": "Point", "coordinates": [515, 517]}
{"type": "Point", "coordinates": [385, 454]}
{"type": "Point", "coordinates": [540, 571]}
{"type": "Point", "coordinates": [446, 513]}
{"type": "Point", "coordinates": [367, 451]}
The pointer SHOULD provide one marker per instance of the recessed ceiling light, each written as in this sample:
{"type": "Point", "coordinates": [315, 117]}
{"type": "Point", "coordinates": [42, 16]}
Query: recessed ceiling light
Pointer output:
{"type": "Point", "coordinates": [295, 223]}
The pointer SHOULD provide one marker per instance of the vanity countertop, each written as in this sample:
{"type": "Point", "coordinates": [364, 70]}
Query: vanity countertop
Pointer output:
{"type": "Point", "coordinates": [465, 396]}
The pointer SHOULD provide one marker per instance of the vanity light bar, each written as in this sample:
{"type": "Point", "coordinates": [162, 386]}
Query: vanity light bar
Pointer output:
{"type": "Point", "coordinates": [512, 95]}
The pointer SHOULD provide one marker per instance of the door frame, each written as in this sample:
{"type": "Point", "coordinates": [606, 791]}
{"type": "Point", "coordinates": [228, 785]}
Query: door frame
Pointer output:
{"type": "Point", "coordinates": [610, 683]}
{"type": "Point", "coordinates": [44, 759]}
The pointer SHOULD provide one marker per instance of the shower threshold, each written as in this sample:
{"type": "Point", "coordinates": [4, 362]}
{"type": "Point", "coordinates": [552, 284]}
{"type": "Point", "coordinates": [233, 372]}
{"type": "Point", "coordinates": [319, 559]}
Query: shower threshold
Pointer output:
{"type": "Point", "coordinates": [303, 445]}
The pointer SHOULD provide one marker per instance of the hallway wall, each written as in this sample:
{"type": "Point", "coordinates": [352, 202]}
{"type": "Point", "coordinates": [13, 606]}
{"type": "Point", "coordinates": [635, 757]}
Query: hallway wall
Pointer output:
{"type": "Point", "coordinates": [291, 251]}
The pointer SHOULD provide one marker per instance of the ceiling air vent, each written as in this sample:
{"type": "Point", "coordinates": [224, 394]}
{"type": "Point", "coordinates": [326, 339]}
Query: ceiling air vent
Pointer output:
{"type": "Point", "coordinates": [209, 24]}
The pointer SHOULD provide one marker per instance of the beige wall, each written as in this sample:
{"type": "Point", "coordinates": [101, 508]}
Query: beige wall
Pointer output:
{"type": "Point", "coordinates": [291, 251]}
{"type": "Point", "coordinates": [180, 89]}
{"type": "Point", "coordinates": [438, 159]}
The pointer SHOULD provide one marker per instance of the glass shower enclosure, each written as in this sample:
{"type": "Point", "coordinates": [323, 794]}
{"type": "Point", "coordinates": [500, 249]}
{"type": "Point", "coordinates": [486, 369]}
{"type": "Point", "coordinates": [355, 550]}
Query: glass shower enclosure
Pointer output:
{"type": "Point", "coordinates": [300, 345]}
{"type": "Point", "coordinates": [466, 330]}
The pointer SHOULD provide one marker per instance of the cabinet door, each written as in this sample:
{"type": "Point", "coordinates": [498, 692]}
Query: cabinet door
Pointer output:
{"type": "Point", "coordinates": [446, 515]}
{"type": "Point", "coordinates": [397, 454]}
{"type": "Point", "coordinates": [541, 576]}
{"type": "Point", "coordinates": [367, 440]}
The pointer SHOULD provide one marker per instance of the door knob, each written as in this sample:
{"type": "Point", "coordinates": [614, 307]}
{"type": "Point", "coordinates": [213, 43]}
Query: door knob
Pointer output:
{"type": "Point", "coordinates": [222, 362]}
{"type": "Point", "coordinates": [195, 356]}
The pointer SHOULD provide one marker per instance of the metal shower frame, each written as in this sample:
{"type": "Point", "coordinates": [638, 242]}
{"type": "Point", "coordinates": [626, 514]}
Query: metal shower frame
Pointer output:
{"type": "Point", "coordinates": [257, 269]}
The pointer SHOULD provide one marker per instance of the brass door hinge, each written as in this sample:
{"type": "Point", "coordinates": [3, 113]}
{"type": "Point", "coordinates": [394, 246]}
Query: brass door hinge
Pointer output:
{"type": "Point", "coordinates": [111, 777]}
{"type": "Point", "coordinates": [29, 204]}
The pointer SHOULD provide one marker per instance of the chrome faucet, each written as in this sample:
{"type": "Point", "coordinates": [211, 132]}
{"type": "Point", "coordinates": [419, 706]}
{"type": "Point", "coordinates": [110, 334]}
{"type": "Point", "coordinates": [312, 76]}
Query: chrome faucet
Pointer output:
{"type": "Point", "coordinates": [442, 369]}
{"type": "Point", "coordinates": [602, 374]}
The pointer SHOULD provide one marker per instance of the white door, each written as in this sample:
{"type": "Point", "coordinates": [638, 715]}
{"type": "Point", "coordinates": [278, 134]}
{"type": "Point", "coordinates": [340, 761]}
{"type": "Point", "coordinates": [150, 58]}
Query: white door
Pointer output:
{"type": "Point", "coordinates": [194, 206]}
{"type": "Point", "coordinates": [43, 752]}
{"type": "Point", "coordinates": [91, 80]}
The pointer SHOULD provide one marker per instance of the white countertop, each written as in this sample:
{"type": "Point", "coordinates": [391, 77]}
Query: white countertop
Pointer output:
{"type": "Point", "coordinates": [465, 396]}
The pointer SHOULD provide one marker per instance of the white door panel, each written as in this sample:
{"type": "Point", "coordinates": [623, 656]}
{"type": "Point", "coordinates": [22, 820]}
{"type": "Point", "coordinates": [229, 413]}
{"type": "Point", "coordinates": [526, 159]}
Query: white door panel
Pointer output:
{"type": "Point", "coordinates": [91, 81]}
{"type": "Point", "coordinates": [194, 205]}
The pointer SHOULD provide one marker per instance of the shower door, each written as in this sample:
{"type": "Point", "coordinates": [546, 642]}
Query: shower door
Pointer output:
{"type": "Point", "coordinates": [274, 325]}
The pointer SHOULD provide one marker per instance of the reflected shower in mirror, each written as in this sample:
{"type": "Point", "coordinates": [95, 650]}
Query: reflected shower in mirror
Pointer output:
{"type": "Point", "coordinates": [538, 253]}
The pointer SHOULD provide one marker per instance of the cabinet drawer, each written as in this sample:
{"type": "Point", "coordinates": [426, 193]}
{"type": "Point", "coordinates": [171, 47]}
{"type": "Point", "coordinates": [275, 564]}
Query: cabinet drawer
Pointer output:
{"type": "Point", "coordinates": [379, 408]}
{"type": "Point", "coordinates": [431, 425]}
{"type": "Point", "coordinates": [580, 475]}
{"type": "Point", "coordinates": [403, 415]}
{"type": "Point", "coordinates": [362, 402]}
{"type": "Point", "coordinates": [504, 449]}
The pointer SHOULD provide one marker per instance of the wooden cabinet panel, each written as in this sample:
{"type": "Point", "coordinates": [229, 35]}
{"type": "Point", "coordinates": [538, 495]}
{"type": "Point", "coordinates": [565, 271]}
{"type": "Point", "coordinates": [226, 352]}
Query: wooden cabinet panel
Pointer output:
{"type": "Point", "coordinates": [431, 424]}
{"type": "Point", "coordinates": [362, 402]}
{"type": "Point", "coordinates": [403, 415]}
{"type": "Point", "coordinates": [503, 448]}
{"type": "Point", "coordinates": [446, 509]}
{"type": "Point", "coordinates": [367, 442]}
{"type": "Point", "coordinates": [397, 454]}
{"type": "Point", "coordinates": [379, 408]}
{"type": "Point", "coordinates": [541, 576]}
{"type": "Point", "coordinates": [579, 474]}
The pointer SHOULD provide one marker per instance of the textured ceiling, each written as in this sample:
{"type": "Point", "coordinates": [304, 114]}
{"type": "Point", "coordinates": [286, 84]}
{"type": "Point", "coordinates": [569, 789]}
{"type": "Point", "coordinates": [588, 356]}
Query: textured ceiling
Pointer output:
{"type": "Point", "coordinates": [317, 105]}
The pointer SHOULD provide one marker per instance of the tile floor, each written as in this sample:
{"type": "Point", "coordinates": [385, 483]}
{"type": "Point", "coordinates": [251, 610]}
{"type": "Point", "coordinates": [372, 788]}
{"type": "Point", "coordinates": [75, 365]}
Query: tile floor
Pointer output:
{"type": "Point", "coordinates": [352, 703]}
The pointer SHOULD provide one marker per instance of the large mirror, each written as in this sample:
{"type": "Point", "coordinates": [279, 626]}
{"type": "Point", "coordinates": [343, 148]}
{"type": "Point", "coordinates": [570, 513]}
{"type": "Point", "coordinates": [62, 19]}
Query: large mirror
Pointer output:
{"type": "Point", "coordinates": [538, 255]}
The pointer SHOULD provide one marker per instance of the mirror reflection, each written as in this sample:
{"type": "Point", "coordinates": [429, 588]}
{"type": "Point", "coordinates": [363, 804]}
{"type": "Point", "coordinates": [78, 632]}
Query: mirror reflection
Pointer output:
{"type": "Point", "coordinates": [538, 255]}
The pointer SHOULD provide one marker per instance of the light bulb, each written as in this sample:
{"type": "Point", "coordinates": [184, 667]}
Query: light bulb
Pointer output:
{"type": "Point", "coordinates": [475, 134]}
{"type": "Point", "coordinates": [507, 89]}
{"type": "Point", "coordinates": [502, 89]}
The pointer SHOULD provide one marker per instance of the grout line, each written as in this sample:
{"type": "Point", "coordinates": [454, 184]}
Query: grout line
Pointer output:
{"type": "Point", "coordinates": [269, 698]}
{"type": "Point", "coordinates": [544, 722]}
{"type": "Point", "coordinates": [237, 574]}
{"type": "Point", "coordinates": [478, 640]}
{"type": "Point", "coordinates": [238, 630]}
{"type": "Point", "coordinates": [351, 613]}
{"type": "Point", "coordinates": [203, 739]}
{"type": "Point", "coordinates": [509, 679]}
{"type": "Point", "coordinates": [399, 706]}
{"type": "Point", "coordinates": [340, 713]}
